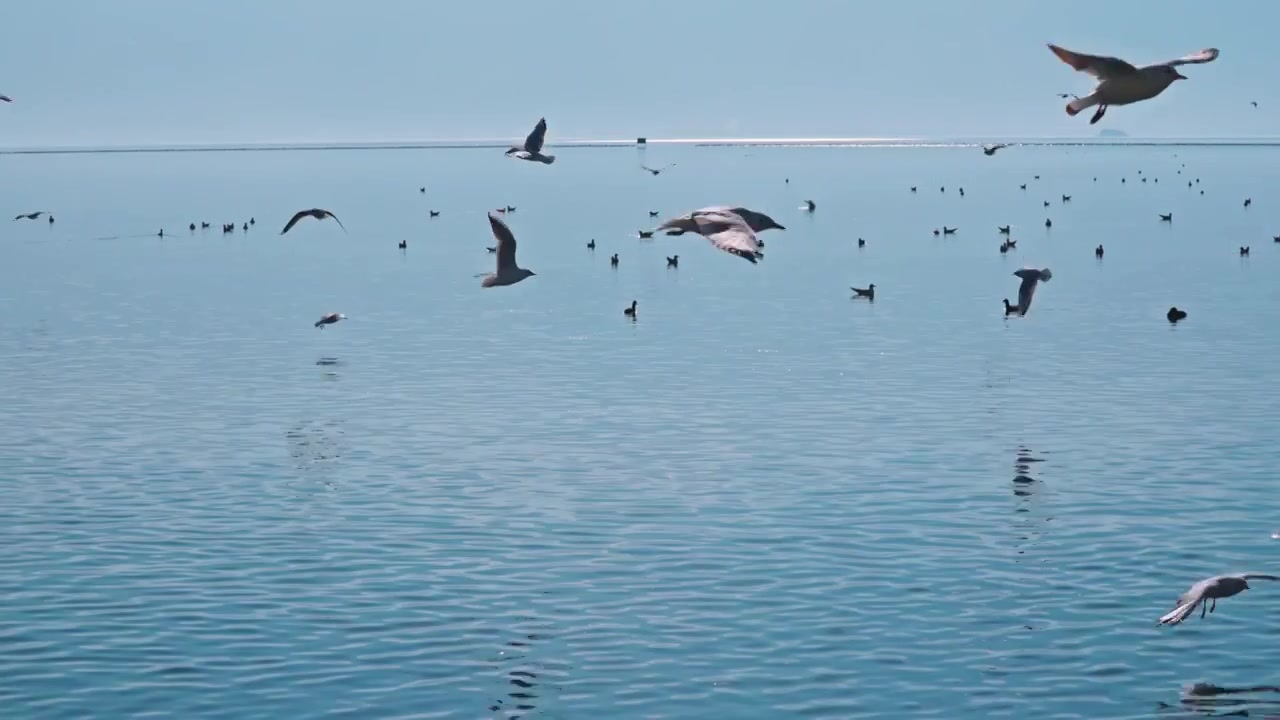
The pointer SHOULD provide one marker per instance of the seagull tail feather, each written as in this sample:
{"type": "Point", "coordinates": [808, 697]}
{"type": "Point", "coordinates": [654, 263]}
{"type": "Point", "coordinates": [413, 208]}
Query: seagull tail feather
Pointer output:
{"type": "Point", "coordinates": [1075, 106]}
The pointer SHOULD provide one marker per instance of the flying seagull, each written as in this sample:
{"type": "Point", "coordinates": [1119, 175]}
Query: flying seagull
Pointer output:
{"type": "Point", "coordinates": [757, 221]}
{"type": "Point", "coordinates": [30, 216]}
{"type": "Point", "coordinates": [1030, 278]}
{"type": "Point", "coordinates": [6, 98]}
{"type": "Point", "coordinates": [1120, 83]}
{"type": "Point", "coordinates": [1220, 586]}
{"type": "Point", "coordinates": [726, 230]}
{"type": "Point", "coordinates": [316, 213]}
{"type": "Point", "coordinates": [532, 148]}
{"type": "Point", "coordinates": [330, 319]}
{"type": "Point", "coordinates": [656, 171]}
{"type": "Point", "coordinates": [991, 149]}
{"type": "Point", "coordinates": [507, 272]}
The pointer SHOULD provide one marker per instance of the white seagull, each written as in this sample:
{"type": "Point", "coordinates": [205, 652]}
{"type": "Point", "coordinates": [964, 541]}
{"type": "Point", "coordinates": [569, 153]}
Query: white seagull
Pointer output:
{"type": "Point", "coordinates": [726, 230]}
{"type": "Point", "coordinates": [330, 319]}
{"type": "Point", "coordinates": [1120, 83]}
{"type": "Point", "coordinates": [1030, 278]}
{"type": "Point", "coordinates": [532, 148]}
{"type": "Point", "coordinates": [507, 272]}
{"type": "Point", "coordinates": [1220, 586]}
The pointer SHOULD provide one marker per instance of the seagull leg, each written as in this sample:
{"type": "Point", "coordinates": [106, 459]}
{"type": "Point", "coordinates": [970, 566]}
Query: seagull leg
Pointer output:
{"type": "Point", "coordinates": [1213, 604]}
{"type": "Point", "coordinates": [1102, 110]}
{"type": "Point", "coordinates": [1203, 607]}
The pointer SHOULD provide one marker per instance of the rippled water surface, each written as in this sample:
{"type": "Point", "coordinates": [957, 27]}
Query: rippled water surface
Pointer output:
{"type": "Point", "coordinates": [762, 499]}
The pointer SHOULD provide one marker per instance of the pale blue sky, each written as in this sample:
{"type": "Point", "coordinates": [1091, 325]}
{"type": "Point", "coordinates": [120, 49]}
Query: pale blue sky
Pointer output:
{"type": "Point", "coordinates": [94, 72]}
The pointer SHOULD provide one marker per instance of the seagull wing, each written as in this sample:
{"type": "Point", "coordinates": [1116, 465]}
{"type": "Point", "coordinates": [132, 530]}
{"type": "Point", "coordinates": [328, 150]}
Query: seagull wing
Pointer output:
{"type": "Point", "coordinates": [506, 242]}
{"type": "Point", "coordinates": [1204, 56]}
{"type": "Point", "coordinates": [646, 167]}
{"type": "Point", "coordinates": [1027, 290]}
{"type": "Point", "coordinates": [1099, 66]}
{"type": "Point", "coordinates": [335, 219]}
{"type": "Point", "coordinates": [1257, 576]}
{"type": "Point", "coordinates": [6, 98]}
{"type": "Point", "coordinates": [533, 143]}
{"type": "Point", "coordinates": [1180, 613]}
{"type": "Point", "coordinates": [294, 220]}
{"type": "Point", "coordinates": [729, 233]}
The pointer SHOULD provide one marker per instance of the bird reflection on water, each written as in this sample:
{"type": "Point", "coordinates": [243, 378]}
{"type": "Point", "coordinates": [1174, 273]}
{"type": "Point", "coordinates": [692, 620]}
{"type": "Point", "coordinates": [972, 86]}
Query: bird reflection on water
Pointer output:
{"type": "Point", "coordinates": [1205, 699]}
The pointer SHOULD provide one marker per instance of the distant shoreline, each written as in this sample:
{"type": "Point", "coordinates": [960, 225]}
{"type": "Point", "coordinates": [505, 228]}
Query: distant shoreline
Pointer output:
{"type": "Point", "coordinates": [697, 142]}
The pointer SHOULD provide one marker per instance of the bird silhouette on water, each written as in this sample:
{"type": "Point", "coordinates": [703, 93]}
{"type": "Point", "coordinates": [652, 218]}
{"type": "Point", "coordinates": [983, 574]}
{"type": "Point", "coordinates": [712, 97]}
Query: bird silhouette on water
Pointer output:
{"type": "Point", "coordinates": [613, 261]}
{"type": "Point", "coordinates": [810, 205]}
{"type": "Point", "coordinates": [1003, 229]}
{"type": "Point", "coordinates": [869, 292]}
{"type": "Point", "coordinates": [1166, 218]}
{"type": "Point", "coordinates": [862, 243]}
{"type": "Point", "coordinates": [673, 261]}
{"type": "Point", "coordinates": [631, 311]}
{"type": "Point", "coordinates": [949, 231]}
{"type": "Point", "coordinates": [404, 244]}
{"type": "Point", "coordinates": [329, 319]}
{"type": "Point", "coordinates": [433, 213]}
{"type": "Point", "coordinates": [645, 234]}
{"type": "Point", "coordinates": [1244, 251]}
{"type": "Point", "coordinates": [1048, 223]}
{"type": "Point", "coordinates": [1097, 252]}
{"type": "Point", "coordinates": [591, 245]}
{"type": "Point", "coordinates": [1174, 315]}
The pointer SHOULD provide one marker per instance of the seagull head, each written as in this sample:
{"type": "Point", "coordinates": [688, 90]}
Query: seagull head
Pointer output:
{"type": "Point", "coordinates": [1046, 275]}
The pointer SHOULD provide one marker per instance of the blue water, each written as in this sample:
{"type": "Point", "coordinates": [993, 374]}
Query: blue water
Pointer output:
{"type": "Point", "coordinates": [762, 499]}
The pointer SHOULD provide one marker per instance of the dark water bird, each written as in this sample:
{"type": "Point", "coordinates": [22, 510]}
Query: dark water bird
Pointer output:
{"type": "Point", "coordinates": [1275, 238]}
{"type": "Point", "coordinates": [913, 188]}
{"type": "Point", "coordinates": [1174, 315]}
{"type": "Point", "coordinates": [507, 272]}
{"type": "Point", "coordinates": [1035, 177]}
{"type": "Point", "coordinates": [1144, 179]}
{"type": "Point", "coordinates": [404, 244]}
{"type": "Point", "coordinates": [1097, 252]}
{"type": "Point", "coordinates": [656, 171]}
{"type": "Point", "coordinates": [1003, 229]}
{"type": "Point", "coordinates": [316, 213]}
{"type": "Point", "coordinates": [246, 227]}
{"type": "Point", "coordinates": [161, 234]}
{"type": "Point", "coordinates": [1023, 186]}
{"type": "Point", "coordinates": [204, 225]}
{"type": "Point", "coordinates": [30, 216]}
{"type": "Point", "coordinates": [1244, 251]}
{"type": "Point", "coordinates": [936, 233]}
{"type": "Point", "coordinates": [1066, 198]}
{"type": "Point", "coordinates": [1248, 202]}
{"type": "Point", "coordinates": [613, 261]}
{"type": "Point", "coordinates": [862, 243]}
{"type": "Point", "coordinates": [1254, 103]}
{"type": "Point", "coordinates": [869, 292]}
{"type": "Point", "coordinates": [631, 311]}
{"type": "Point", "coordinates": [1011, 244]}
{"type": "Point", "coordinates": [645, 233]}
{"type": "Point", "coordinates": [1027, 289]}
{"type": "Point", "coordinates": [990, 150]}
{"type": "Point", "coordinates": [942, 189]}
{"type": "Point", "coordinates": [1122, 180]}
{"type": "Point", "coordinates": [673, 261]}
{"type": "Point", "coordinates": [511, 208]}
{"type": "Point", "coordinates": [1048, 223]}
{"type": "Point", "coordinates": [51, 216]}
{"type": "Point", "coordinates": [961, 192]}
{"type": "Point", "coordinates": [1004, 248]}
{"type": "Point", "coordinates": [252, 221]}
{"type": "Point", "coordinates": [1210, 590]}
{"type": "Point", "coordinates": [949, 231]}
{"type": "Point", "coordinates": [433, 213]}
{"type": "Point", "coordinates": [653, 213]}
{"type": "Point", "coordinates": [493, 249]}
{"type": "Point", "coordinates": [1120, 83]}
{"type": "Point", "coordinates": [1046, 203]}
{"type": "Point", "coordinates": [1166, 218]}
{"type": "Point", "coordinates": [591, 245]}
{"type": "Point", "coordinates": [329, 319]}
{"type": "Point", "coordinates": [422, 190]}
{"type": "Point", "coordinates": [810, 205]}
{"type": "Point", "coordinates": [532, 148]}
{"type": "Point", "coordinates": [192, 227]}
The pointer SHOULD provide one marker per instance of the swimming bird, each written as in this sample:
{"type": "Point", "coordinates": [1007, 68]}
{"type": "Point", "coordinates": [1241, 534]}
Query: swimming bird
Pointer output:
{"type": "Point", "coordinates": [1120, 83]}
{"type": "Point", "coordinates": [404, 244]}
{"type": "Point", "coordinates": [653, 213]}
{"type": "Point", "coordinates": [673, 261]}
{"type": "Point", "coordinates": [913, 188]}
{"type": "Point", "coordinates": [1254, 103]}
{"type": "Point", "coordinates": [1219, 586]}
{"type": "Point", "coordinates": [991, 149]}
{"type": "Point", "coordinates": [1174, 315]}
{"type": "Point", "coordinates": [1027, 289]}
{"type": "Point", "coordinates": [1035, 177]}
{"type": "Point", "coordinates": [1046, 203]}
{"type": "Point", "coordinates": [591, 245]}
{"type": "Point", "coordinates": [204, 225]}
{"type": "Point", "coordinates": [1097, 252]}
{"type": "Point", "coordinates": [1244, 251]}
{"type": "Point", "coordinates": [493, 249]}
{"type": "Point", "coordinates": [869, 292]}
{"type": "Point", "coordinates": [532, 148]}
{"type": "Point", "coordinates": [316, 213]}
{"type": "Point", "coordinates": [1248, 202]}
{"type": "Point", "coordinates": [936, 233]}
{"type": "Point", "coordinates": [1004, 248]}
{"type": "Point", "coordinates": [507, 272]}
{"type": "Point", "coordinates": [51, 216]}
{"type": "Point", "coordinates": [1166, 218]}
{"type": "Point", "coordinates": [433, 213]}
{"type": "Point", "coordinates": [1275, 238]}
{"type": "Point", "coordinates": [252, 221]}
{"type": "Point", "coordinates": [161, 234]}
{"type": "Point", "coordinates": [862, 243]}
{"type": "Point", "coordinates": [246, 227]}
{"type": "Point", "coordinates": [949, 231]}
{"type": "Point", "coordinates": [1009, 244]}
{"type": "Point", "coordinates": [613, 261]}
{"type": "Point", "coordinates": [329, 319]}
{"type": "Point", "coordinates": [1066, 198]}
{"type": "Point", "coordinates": [1003, 229]}
{"type": "Point", "coordinates": [645, 233]}
{"type": "Point", "coordinates": [656, 171]}
{"type": "Point", "coordinates": [631, 311]}
{"type": "Point", "coordinates": [961, 192]}
{"type": "Point", "coordinates": [192, 227]}
{"type": "Point", "coordinates": [810, 205]}
{"type": "Point", "coordinates": [1023, 186]}
{"type": "Point", "coordinates": [511, 208]}
{"type": "Point", "coordinates": [1048, 223]}
{"type": "Point", "coordinates": [30, 216]}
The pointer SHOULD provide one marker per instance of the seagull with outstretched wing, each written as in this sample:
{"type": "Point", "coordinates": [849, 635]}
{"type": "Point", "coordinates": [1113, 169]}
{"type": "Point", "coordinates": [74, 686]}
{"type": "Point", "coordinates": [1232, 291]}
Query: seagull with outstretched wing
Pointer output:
{"type": "Point", "coordinates": [1120, 83]}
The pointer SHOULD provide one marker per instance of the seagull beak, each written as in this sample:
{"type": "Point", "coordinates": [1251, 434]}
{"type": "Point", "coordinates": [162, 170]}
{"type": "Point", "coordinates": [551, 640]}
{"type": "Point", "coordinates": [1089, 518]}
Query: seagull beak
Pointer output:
{"type": "Point", "coordinates": [1179, 75]}
{"type": "Point", "coordinates": [780, 227]}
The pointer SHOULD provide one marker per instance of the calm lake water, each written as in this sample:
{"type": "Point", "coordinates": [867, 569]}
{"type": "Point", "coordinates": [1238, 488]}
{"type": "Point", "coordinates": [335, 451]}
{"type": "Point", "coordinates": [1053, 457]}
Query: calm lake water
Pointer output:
{"type": "Point", "coordinates": [762, 499]}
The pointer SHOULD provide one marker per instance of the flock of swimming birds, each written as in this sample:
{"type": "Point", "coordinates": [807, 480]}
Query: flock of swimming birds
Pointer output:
{"type": "Point", "coordinates": [734, 230]}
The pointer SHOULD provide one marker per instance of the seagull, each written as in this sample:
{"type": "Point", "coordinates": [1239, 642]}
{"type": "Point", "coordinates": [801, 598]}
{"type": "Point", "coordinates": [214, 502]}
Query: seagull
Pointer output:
{"type": "Point", "coordinates": [591, 245]}
{"type": "Point", "coordinates": [404, 245]}
{"type": "Point", "coordinates": [1030, 278]}
{"type": "Point", "coordinates": [991, 149]}
{"type": "Point", "coordinates": [810, 206]}
{"type": "Point", "coordinates": [1048, 222]}
{"type": "Point", "coordinates": [1220, 586]}
{"type": "Point", "coordinates": [1004, 248]}
{"type": "Point", "coordinates": [1254, 103]}
{"type": "Point", "coordinates": [1097, 252]}
{"type": "Point", "coordinates": [1174, 315]}
{"type": "Point", "coordinates": [645, 233]}
{"type": "Point", "coordinates": [1066, 198]}
{"type": "Point", "coordinates": [329, 319]}
{"type": "Point", "coordinates": [725, 229]}
{"type": "Point", "coordinates": [433, 213]}
{"type": "Point", "coordinates": [532, 148]}
{"type": "Point", "coordinates": [6, 98]}
{"type": "Point", "coordinates": [507, 272]}
{"type": "Point", "coordinates": [949, 231]}
{"type": "Point", "coordinates": [673, 261]}
{"type": "Point", "coordinates": [862, 243]}
{"type": "Point", "coordinates": [316, 213]}
{"type": "Point", "coordinates": [1244, 251]}
{"type": "Point", "coordinates": [868, 293]}
{"type": "Point", "coordinates": [913, 188]}
{"type": "Point", "coordinates": [1248, 202]}
{"type": "Point", "coordinates": [757, 221]}
{"type": "Point", "coordinates": [1004, 229]}
{"type": "Point", "coordinates": [30, 216]}
{"type": "Point", "coordinates": [1166, 218]}
{"type": "Point", "coordinates": [653, 213]}
{"type": "Point", "coordinates": [613, 261]}
{"type": "Point", "coordinates": [1120, 83]}
{"type": "Point", "coordinates": [656, 171]}
{"type": "Point", "coordinates": [1022, 186]}
{"type": "Point", "coordinates": [631, 311]}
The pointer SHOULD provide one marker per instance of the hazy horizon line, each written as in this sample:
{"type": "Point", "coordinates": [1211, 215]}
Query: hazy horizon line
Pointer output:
{"type": "Point", "coordinates": [498, 143]}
